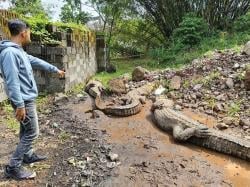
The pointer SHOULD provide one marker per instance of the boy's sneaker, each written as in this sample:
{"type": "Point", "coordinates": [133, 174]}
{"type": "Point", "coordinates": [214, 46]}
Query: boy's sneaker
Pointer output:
{"type": "Point", "coordinates": [34, 158]}
{"type": "Point", "coordinates": [18, 173]}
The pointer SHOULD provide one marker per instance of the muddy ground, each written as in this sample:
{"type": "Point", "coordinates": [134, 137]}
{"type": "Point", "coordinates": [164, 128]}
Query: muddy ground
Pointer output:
{"type": "Point", "coordinates": [79, 146]}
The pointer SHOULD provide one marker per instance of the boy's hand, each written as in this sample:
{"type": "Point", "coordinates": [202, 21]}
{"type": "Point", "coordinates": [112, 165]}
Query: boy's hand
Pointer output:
{"type": "Point", "coordinates": [20, 114]}
{"type": "Point", "coordinates": [61, 73]}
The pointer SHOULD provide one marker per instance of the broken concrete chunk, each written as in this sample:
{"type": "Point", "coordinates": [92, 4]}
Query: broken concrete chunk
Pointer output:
{"type": "Point", "coordinates": [230, 83]}
{"type": "Point", "coordinates": [113, 157]}
{"type": "Point", "coordinates": [222, 126]}
{"type": "Point", "coordinates": [246, 49]}
{"type": "Point", "coordinates": [175, 83]}
{"type": "Point", "coordinates": [118, 86]}
{"type": "Point", "coordinates": [139, 73]}
{"type": "Point", "coordinates": [60, 96]}
{"type": "Point", "coordinates": [160, 90]}
{"type": "Point", "coordinates": [247, 80]}
{"type": "Point", "coordinates": [245, 122]}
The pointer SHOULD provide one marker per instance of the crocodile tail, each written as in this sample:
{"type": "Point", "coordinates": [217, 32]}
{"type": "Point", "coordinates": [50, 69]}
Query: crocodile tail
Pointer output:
{"type": "Point", "coordinates": [225, 144]}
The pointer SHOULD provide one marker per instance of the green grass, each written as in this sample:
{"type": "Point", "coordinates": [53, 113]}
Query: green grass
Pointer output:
{"type": "Point", "coordinates": [126, 67]}
{"type": "Point", "coordinates": [9, 118]}
{"type": "Point", "coordinates": [177, 57]}
{"type": "Point", "coordinates": [234, 108]}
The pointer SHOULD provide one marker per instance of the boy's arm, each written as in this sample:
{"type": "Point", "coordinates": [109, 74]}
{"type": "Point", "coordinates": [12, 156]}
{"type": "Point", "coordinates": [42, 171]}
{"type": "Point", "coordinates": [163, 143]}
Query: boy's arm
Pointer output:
{"type": "Point", "coordinates": [42, 65]}
{"type": "Point", "coordinates": [10, 72]}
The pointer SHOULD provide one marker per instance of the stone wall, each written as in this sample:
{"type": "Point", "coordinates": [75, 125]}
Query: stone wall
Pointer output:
{"type": "Point", "coordinates": [76, 55]}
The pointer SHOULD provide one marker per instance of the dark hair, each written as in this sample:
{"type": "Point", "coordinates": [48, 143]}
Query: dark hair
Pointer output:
{"type": "Point", "coordinates": [16, 26]}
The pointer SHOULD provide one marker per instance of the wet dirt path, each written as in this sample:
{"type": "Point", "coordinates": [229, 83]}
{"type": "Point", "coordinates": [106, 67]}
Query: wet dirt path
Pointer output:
{"type": "Point", "coordinates": [150, 157]}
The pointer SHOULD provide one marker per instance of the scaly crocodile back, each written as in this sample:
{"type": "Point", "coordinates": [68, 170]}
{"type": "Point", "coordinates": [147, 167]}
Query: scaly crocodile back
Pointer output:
{"type": "Point", "coordinates": [127, 110]}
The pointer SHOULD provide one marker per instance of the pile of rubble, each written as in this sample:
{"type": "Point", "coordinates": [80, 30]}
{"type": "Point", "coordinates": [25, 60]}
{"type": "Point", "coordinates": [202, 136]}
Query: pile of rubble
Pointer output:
{"type": "Point", "coordinates": [218, 86]}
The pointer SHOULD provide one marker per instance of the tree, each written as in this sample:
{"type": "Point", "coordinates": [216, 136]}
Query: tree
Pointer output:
{"type": "Point", "coordinates": [28, 7]}
{"type": "Point", "coordinates": [110, 11]}
{"type": "Point", "coordinates": [168, 14]}
{"type": "Point", "coordinates": [72, 12]}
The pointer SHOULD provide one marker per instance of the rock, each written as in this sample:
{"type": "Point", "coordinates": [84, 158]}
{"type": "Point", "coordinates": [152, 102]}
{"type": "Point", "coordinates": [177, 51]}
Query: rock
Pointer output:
{"type": "Point", "coordinates": [111, 68]}
{"type": "Point", "coordinates": [221, 97]}
{"type": "Point", "coordinates": [222, 126]}
{"type": "Point", "coordinates": [177, 107]}
{"type": "Point", "coordinates": [236, 66]}
{"type": "Point", "coordinates": [197, 87]}
{"type": "Point", "coordinates": [60, 96]}
{"type": "Point", "coordinates": [80, 96]}
{"type": "Point", "coordinates": [247, 80]}
{"type": "Point", "coordinates": [113, 164]}
{"type": "Point", "coordinates": [245, 122]}
{"type": "Point", "coordinates": [230, 83]}
{"type": "Point", "coordinates": [113, 157]}
{"type": "Point", "coordinates": [72, 161]}
{"type": "Point", "coordinates": [193, 96]}
{"type": "Point", "coordinates": [228, 120]}
{"type": "Point", "coordinates": [118, 86]}
{"type": "Point", "coordinates": [175, 83]}
{"type": "Point", "coordinates": [160, 90]}
{"type": "Point", "coordinates": [246, 49]}
{"type": "Point", "coordinates": [55, 125]}
{"type": "Point", "coordinates": [139, 73]}
{"type": "Point", "coordinates": [218, 107]}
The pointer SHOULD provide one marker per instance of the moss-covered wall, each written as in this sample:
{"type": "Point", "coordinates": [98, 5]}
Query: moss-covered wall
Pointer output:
{"type": "Point", "coordinates": [76, 53]}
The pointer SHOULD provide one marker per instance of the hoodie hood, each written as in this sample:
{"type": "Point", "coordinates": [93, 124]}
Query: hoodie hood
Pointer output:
{"type": "Point", "coordinates": [6, 43]}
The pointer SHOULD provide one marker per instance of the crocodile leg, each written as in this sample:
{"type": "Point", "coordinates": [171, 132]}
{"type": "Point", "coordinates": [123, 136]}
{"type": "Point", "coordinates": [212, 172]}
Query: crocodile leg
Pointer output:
{"type": "Point", "coordinates": [182, 134]}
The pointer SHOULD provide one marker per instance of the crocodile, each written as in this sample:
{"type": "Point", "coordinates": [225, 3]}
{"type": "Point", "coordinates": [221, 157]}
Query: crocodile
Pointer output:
{"type": "Point", "coordinates": [132, 100]}
{"type": "Point", "coordinates": [186, 129]}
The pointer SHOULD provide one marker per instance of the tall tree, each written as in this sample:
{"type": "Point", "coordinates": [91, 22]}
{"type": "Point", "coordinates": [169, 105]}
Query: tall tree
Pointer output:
{"type": "Point", "coordinates": [167, 14]}
{"type": "Point", "coordinates": [110, 11]}
{"type": "Point", "coordinates": [72, 12]}
{"type": "Point", "coordinates": [28, 7]}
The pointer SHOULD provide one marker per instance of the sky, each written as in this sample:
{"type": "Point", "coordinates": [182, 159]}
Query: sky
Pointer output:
{"type": "Point", "coordinates": [56, 7]}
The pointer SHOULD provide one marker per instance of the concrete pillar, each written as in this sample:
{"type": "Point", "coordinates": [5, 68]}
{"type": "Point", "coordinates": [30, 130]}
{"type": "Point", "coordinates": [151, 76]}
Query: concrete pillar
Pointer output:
{"type": "Point", "coordinates": [101, 53]}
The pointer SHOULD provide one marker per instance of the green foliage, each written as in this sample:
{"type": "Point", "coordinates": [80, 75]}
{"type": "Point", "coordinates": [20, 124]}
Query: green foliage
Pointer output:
{"type": "Point", "coordinates": [234, 108]}
{"type": "Point", "coordinates": [72, 12]}
{"type": "Point", "coordinates": [242, 24]}
{"type": "Point", "coordinates": [39, 31]}
{"type": "Point", "coordinates": [178, 54]}
{"type": "Point", "coordinates": [9, 118]}
{"type": "Point", "coordinates": [79, 88]}
{"type": "Point", "coordinates": [29, 8]}
{"type": "Point", "coordinates": [191, 30]}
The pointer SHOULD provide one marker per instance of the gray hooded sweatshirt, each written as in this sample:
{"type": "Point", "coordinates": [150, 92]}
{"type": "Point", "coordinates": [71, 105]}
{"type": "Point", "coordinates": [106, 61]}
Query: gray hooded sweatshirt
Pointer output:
{"type": "Point", "coordinates": [16, 70]}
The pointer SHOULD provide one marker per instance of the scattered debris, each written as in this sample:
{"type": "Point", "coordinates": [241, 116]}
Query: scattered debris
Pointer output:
{"type": "Point", "coordinates": [160, 90]}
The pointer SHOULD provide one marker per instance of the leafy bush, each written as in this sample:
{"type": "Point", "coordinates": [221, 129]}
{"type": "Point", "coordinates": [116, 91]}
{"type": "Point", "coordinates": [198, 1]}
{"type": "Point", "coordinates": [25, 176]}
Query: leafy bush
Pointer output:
{"type": "Point", "coordinates": [39, 31]}
{"type": "Point", "coordinates": [242, 24]}
{"type": "Point", "coordinates": [191, 30]}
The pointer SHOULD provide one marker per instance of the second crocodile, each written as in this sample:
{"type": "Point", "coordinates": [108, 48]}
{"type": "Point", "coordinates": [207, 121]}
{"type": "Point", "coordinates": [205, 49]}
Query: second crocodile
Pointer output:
{"type": "Point", "coordinates": [185, 129]}
{"type": "Point", "coordinates": [132, 101]}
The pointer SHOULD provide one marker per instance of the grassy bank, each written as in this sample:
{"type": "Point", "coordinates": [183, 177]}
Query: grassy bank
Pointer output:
{"type": "Point", "coordinates": [174, 57]}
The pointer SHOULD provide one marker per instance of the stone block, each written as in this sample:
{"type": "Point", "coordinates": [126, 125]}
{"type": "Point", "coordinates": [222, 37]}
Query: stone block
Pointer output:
{"type": "Point", "coordinates": [34, 49]}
